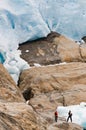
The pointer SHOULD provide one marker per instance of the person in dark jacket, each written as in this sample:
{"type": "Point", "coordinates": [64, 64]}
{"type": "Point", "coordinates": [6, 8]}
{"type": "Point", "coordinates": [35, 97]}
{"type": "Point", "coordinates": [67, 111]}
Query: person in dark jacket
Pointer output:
{"type": "Point", "coordinates": [69, 116]}
{"type": "Point", "coordinates": [56, 116]}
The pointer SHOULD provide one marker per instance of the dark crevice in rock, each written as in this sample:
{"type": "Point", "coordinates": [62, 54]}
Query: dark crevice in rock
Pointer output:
{"type": "Point", "coordinates": [28, 94]}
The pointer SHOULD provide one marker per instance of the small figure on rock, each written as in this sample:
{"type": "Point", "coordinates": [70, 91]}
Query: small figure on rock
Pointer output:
{"type": "Point", "coordinates": [56, 115]}
{"type": "Point", "coordinates": [69, 116]}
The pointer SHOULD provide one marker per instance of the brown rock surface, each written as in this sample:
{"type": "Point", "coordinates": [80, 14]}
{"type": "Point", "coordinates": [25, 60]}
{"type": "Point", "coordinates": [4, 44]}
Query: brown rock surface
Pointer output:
{"type": "Point", "coordinates": [62, 84]}
{"type": "Point", "coordinates": [8, 89]}
{"type": "Point", "coordinates": [83, 51]}
{"type": "Point", "coordinates": [59, 83]}
{"type": "Point", "coordinates": [65, 126]}
{"type": "Point", "coordinates": [55, 48]}
{"type": "Point", "coordinates": [68, 50]}
{"type": "Point", "coordinates": [42, 51]}
{"type": "Point", "coordinates": [15, 114]}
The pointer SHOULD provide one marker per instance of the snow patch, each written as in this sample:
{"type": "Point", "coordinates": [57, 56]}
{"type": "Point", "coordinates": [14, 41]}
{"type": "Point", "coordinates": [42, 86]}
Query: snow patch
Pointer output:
{"type": "Point", "coordinates": [78, 112]}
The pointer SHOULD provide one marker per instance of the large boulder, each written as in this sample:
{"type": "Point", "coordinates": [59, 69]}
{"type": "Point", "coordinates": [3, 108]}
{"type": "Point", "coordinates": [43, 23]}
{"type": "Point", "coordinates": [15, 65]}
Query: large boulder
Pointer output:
{"type": "Point", "coordinates": [17, 116]}
{"type": "Point", "coordinates": [42, 51]}
{"type": "Point", "coordinates": [67, 49]}
{"type": "Point", "coordinates": [64, 83]}
{"type": "Point", "coordinates": [54, 48]}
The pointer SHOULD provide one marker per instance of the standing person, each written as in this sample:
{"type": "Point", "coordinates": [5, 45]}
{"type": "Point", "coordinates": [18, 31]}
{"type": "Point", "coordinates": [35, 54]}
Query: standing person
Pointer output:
{"type": "Point", "coordinates": [56, 115]}
{"type": "Point", "coordinates": [69, 116]}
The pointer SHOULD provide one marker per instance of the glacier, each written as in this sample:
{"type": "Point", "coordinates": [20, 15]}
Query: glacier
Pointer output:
{"type": "Point", "coordinates": [26, 20]}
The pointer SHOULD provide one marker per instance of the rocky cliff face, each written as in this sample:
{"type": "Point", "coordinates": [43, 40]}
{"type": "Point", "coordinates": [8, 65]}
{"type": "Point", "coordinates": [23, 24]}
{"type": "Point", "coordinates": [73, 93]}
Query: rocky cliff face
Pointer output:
{"type": "Point", "coordinates": [31, 104]}
{"type": "Point", "coordinates": [57, 82]}
{"type": "Point", "coordinates": [63, 84]}
{"type": "Point", "coordinates": [15, 114]}
{"type": "Point", "coordinates": [8, 89]}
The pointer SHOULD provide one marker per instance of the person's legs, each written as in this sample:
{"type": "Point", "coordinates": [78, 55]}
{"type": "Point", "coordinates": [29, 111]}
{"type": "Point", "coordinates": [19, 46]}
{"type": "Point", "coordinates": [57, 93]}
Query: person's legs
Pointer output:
{"type": "Point", "coordinates": [71, 119]}
{"type": "Point", "coordinates": [56, 118]}
{"type": "Point", "coordinates": [68, 119]}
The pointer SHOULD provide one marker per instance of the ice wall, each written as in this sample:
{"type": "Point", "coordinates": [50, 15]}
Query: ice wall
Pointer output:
{"type": "Point", "coordinates": [22, 20]}
{"type": "Point", "coordinates": [29, 19]}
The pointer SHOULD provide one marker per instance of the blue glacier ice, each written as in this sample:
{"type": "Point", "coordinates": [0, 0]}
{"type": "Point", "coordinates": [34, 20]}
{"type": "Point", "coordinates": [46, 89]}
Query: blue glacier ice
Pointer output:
{"type": "Point", "coordinates": [78, 112]}
{"type": "Point", "coordinates": [23, 20]}
{"type": "Point", "coordinates": [2, 57]}
{"type": "Point", "coordinates": [29, 19]}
